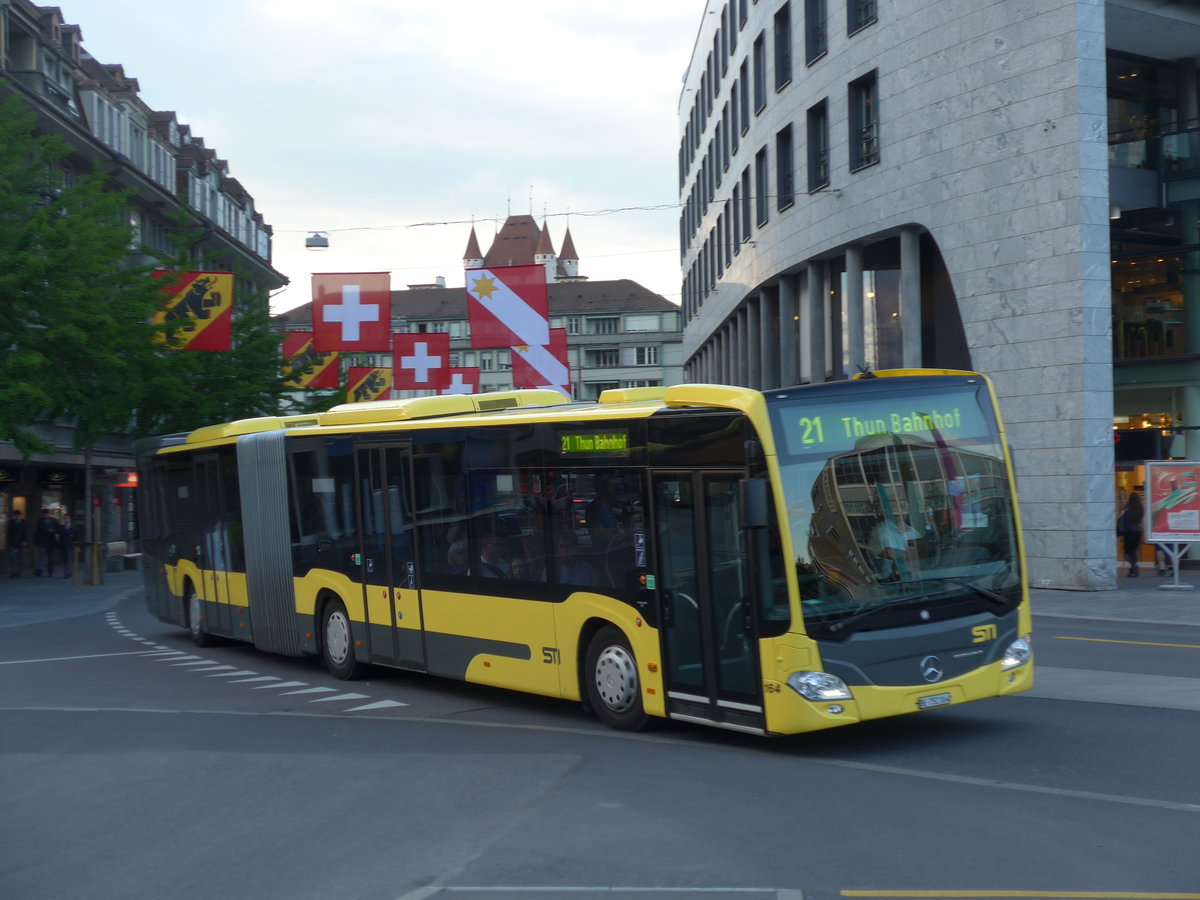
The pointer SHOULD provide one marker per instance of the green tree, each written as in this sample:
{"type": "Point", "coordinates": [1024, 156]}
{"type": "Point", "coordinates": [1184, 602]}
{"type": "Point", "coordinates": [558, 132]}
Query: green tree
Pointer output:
{"type": "Point", "coordinates": [74, 317]}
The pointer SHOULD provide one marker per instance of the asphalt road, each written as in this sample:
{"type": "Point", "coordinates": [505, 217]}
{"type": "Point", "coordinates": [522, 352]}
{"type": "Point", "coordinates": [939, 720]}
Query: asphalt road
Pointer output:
{"type": "Point", "coordinates": [135, 766]}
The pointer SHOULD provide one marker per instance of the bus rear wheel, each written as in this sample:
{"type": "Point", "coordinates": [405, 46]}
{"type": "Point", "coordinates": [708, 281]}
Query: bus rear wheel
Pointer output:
{"type": "Point", "coordinates": [195, 619]}
{"type": "Point", "coordinates": [337, 642]}
{"type": "Point", "coordinates": [611, 675]}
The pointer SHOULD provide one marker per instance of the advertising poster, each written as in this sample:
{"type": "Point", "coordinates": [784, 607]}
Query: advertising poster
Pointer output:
{"type": "Point", "coordinates": [1172, 502]}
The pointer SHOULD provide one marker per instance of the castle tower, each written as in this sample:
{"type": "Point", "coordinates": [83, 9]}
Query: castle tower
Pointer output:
{"type": "Point", "coordinates": [568, 259]}
{"type": "Point", "coordinates": [543, 255]}
{"type": "Point", "coordinates": [473, 258]}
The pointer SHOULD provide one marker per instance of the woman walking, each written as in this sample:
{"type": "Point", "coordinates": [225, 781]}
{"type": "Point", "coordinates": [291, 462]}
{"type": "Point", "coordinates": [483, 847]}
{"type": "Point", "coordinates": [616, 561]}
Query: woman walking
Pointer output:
{"type": "Point", "coordinates": [1129, 527]}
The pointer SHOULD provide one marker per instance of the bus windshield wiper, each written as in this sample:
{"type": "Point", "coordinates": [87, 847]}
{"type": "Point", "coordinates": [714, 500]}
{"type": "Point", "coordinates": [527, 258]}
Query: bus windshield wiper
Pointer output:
{"type": "Point", "coordinates": [986, 593]}
{"type": "Point", "coordinates": [843, 624]}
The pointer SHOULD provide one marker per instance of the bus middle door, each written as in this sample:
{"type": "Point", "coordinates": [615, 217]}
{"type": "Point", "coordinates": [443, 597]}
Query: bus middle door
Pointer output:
{"type": "Point", "coordinates": [214, 556]}
{"type": "Point", "coordinates": [711, 658]}
{"type": "Point", "coordinates": [388, 560]}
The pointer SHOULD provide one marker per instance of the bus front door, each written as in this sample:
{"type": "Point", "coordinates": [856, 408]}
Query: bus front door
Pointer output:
{"type": "Point", "coordinates": [388, 560]}
{"type": "Point", "coordinates": [711, 660]}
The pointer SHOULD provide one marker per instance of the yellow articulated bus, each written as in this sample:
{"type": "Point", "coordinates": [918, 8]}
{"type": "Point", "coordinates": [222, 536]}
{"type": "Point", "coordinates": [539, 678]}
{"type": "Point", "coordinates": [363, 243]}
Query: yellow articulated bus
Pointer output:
{"type": "Point", "coordinates": [770, 562]}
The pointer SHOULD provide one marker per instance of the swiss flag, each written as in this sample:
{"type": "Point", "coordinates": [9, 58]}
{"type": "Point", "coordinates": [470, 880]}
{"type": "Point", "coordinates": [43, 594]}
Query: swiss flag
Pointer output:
{"type": "Point", "coordinates": [539, 367]}
{"type": "Point", "coordinates": [421, 362]}
{"type": "Point", "coordinates": [464, 380]}
{"type": "Point", "coordinates": [508, 305]}
{"type": "Point", "coordinates": [352, 311]}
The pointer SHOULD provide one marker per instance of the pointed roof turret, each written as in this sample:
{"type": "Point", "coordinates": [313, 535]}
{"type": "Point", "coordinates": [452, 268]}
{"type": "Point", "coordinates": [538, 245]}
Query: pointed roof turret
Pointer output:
{"type": "Point", "coordinates": [568, 247]}
{"type": "Point", "coordinates": [473, 253]}
{"type": "Point", "coordinates": [545, 247]}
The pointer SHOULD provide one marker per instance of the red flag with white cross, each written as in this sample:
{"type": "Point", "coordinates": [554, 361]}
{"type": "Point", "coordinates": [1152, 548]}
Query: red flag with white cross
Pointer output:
{"type": "Point", "coordinates": [352, 311]}
{"type": "Point", "coordinates": [463, 380]}
{"type": "Point", "coordinates": [421, 362]}
{"type": "Point", "coordinates": [507, 306]}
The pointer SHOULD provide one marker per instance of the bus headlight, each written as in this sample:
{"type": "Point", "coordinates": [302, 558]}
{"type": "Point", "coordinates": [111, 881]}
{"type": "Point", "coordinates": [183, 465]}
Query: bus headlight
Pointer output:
{"type": "Point", "coordinates": [1017, 653]}
{"type": "Point", "coordinates": [819, 686]}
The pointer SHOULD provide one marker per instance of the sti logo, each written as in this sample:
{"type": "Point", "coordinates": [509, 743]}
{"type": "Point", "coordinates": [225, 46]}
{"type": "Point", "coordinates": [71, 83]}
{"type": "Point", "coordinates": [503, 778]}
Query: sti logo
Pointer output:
{"type": "Point", "coordinates": [981, 634]}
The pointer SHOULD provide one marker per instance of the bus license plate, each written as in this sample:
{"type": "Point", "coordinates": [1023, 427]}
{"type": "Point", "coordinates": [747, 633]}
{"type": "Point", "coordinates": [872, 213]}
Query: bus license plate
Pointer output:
{"type": "Point", "coordinates": [933, 700]}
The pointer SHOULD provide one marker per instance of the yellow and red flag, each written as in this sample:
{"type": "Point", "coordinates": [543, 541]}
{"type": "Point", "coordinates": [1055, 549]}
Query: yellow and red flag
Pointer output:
{"type": "Point", "coordinates": [305, 367]}
{"type": "Point", "coordinates": [365, 383]}
{"type": "Point", "coordinates": [202, 302]}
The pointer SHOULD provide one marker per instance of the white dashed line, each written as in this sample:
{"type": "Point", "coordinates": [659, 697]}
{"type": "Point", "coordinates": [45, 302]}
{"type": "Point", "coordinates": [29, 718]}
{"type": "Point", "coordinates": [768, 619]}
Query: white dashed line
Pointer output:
{"type": "Point", "coordinates": [212, 669]}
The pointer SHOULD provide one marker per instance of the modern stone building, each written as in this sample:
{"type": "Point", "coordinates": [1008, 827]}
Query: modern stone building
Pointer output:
{"type": "Point", "coordinates": [1007, 187]}
{"type": "Point", "coordinates": [619, 334]}
{"type": "Point", "coordinates": [97, 110]}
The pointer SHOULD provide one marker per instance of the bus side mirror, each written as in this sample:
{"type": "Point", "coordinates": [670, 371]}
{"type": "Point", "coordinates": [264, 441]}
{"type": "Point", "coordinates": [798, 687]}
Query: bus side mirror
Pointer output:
{"type": "Point", "coordinates": [754, 503]}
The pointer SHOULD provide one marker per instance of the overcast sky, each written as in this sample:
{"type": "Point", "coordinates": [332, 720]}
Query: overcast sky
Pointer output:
{"type": "Point", "coordinates": [364, 118]}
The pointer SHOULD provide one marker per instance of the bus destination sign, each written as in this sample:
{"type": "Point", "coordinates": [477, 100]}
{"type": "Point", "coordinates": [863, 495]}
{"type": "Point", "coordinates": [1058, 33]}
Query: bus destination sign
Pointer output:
{"type": "Point", "coordinates": [610, 442]}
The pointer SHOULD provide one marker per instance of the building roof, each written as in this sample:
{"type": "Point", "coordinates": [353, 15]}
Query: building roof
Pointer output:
{"type": "Point", "coordinates": [473, 251]}
{"type": "Point", "coordinates": [568, 247]}
{"type": "Point", "coordinates": [514, 243]}
{"type": "Point", "coordinates": [568, 297]}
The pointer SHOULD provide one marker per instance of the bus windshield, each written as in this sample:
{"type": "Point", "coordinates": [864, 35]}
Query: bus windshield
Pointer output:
{"type": "Point", "coordinates": [900, 495]}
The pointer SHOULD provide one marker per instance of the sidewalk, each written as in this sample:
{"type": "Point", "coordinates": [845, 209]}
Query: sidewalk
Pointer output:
{"type": "Point", "coordinates": [24, 601]}
{"type": "Point", "coordinates": [28, 600]}
{"type": "Point", "coordinates": [1134, 600]}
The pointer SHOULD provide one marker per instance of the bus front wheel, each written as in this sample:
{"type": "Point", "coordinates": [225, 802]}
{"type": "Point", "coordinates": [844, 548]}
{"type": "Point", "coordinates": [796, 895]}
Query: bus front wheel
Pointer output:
{"type": "Point", "coordinates": [337, 642]}
{"type": "Point", "coordinates": [195, 619]}
{"type": "Point", "coordinates": [613, 687]}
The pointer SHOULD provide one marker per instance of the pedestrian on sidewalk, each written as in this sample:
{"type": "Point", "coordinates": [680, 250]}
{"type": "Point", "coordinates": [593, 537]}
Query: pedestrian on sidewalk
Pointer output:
{"type": "Point", "coordinates": [1129, 527]}
{"type": "Point", "coordinates": [45, 538]}
{"type": "Point", "coordinates": [18, 543]}
{"type": "Point", "coordinates": [66, 546]}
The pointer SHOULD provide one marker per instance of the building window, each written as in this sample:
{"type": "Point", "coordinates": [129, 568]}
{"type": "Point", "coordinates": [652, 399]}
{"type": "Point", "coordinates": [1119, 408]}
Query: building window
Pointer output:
{"type": "Point", "coordinates": [644, 382]}
{"type": "Point", "coordinates": [816, 44]}
{"type": "Point", "coordinates": [574, 324]}
{"type": "Point", "coordinates": [818, 147]}
{"type": "Point", "coordinates": [735, 207]}
{"type": "Point", "coordinates": [603, 325]}
{"type": "Point", "coordinates": [642, 323]}
{"type": "Point", "coordinates": [860, 14]}
{"type": "Point", "coordinates": [783, 46]}
{"type": "Point", "coordinates": [864, 122]}
{"type": "Point", "coordinates": [743, 84]}
{"type": "Point", "coordinates": [760, 186]}
{"type": "Point", "coordinates": [745, 235]}
{"type": "Point", "coordinates": [785, 178]}
{"type": "Point", "coordinates": [592, 390]}
{"type": "Point", "coordinates": [486, 361]}
{"type": "Point", "coordinates": [760, 71]}
{"type": "Point", "coordinates": [645, 356]}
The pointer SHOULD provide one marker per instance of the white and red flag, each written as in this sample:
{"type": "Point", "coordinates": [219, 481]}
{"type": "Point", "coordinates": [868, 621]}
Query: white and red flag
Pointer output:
{"type": "Point", "coordinates": [463, 380]}
{"type": "Point", "coordinates": [508, 306]}
{"type": "Point", "coordinates": [545, 366]}
{"type": "Point", "coordinates": [352, 311]}
{"type": "Point", "coordinates": [421, 362]}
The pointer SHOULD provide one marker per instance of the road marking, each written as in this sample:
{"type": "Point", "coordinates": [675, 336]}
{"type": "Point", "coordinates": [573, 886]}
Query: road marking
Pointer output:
{"type": "Point", "coordinates": [382, 704]}
{"type": "Point", "coordinates": [227, 674]}
{"type": "Point", "coordinates": [14, 662]}
{"type": "Point", "coordinates": [341, 697]}
{"type": "Point", "coordinates": [259, 678]}
{"type": "Point", "coordinates": [1063, 637]}
{"type": "Point", "coordinates": [312, 690]}
{"type": "Point", "coordinates": [281, 684]}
